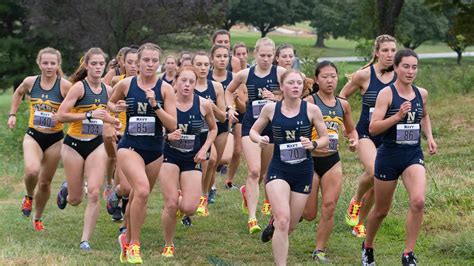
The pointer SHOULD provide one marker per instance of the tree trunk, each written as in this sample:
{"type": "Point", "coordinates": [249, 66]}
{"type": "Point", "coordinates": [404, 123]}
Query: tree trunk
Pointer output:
{"type": "Point", "coordinates": [388, 11]}
{"type": "Point", "coordinates": [320, 40]}
{"type": "Point", "coordinates": [459, 53]}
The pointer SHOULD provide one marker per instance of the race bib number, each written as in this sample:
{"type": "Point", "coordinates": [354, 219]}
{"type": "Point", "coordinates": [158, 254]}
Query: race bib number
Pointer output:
{"type": "Point", "coordinates": [292, 153]}
{"type": "Point", "coordinates": [371, 111]}
{"type": "Point", "coordinates": [333, 142]}
{"type": "Point", "coordinates": [257, 107]}
{"type": "Point", "coordinates": [43, 119]}
{"type": "Point", "coordinates": [185, 144]}
{"type": "Point", "coordinates": [141, 126]}
{"type": "Point", "coordinates": [408, 134]}
{"type": "Point", "coordinates": [92, 127]}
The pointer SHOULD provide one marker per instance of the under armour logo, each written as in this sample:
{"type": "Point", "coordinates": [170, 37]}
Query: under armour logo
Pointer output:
{"type": "Point", "coordinates": [421, 161]}
{"type": "Point", "coordinates": [273, 177]}
{"type": "Point", "coordinates": [74, 144]}
{"type": "Point", "coordinates": [383, 176]}
{"type": "Point", "coordinates": [306, 188]}
{"type": "Point", "coordinates": [299, 122]}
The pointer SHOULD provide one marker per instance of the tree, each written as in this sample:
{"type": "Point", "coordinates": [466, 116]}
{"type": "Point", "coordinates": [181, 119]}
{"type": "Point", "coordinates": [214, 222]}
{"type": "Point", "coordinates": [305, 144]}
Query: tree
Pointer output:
{"type": "Point", "coordinates": [267, 15]}
{"type": "Point", "coordinates": [111, 24]}
{"type": "Point", "coordinates": [19, 45]}
{"type": "Point", "coordinates": [460, 17]}
{"type": "Point", "coordinates": [231, 13]}
{"type": "Point", "coordinates": [417, 23]}
{"type": "Point", "coordinates": [388, 12]}
{"type": "Point", "coordinates": [329, 19]}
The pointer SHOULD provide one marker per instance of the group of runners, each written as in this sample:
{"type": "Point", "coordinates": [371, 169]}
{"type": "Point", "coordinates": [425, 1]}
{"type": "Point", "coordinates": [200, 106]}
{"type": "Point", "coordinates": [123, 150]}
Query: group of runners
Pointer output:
{"type": "Point", "coordinates": [135, 127]}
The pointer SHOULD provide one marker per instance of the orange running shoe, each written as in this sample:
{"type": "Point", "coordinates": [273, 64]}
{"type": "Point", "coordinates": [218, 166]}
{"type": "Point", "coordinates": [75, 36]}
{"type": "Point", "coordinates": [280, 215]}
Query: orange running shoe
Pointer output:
{"type": "Point", "coordinates": [359, 230]}
{"type": "Point", "coordinates": [202, 209]}
{"type": "Point", "coordinates": [253, 226]}
{"type": "Point", "coordinates": [38, 225]}
{"type": "Point", "coordinates": [266, 207]}
{"type": "Point", "coordinates": [133, 254]}
{"type": "Point", "coordinates": [122, 240]}
{"type": "Point", "coordinates": [352, 215]}
{"type": "Point", "coordinates": [26, 205]}
{"type": "Point", "coordinates": [168, 251]}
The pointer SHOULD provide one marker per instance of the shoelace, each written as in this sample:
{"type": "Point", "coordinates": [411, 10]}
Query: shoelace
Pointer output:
{"type": "Point", "coordinates": [355, 209]}
{"type": "Point", "coordinates": [168, 250]}
{"type": "Point", "coordinates": [135, 250]}
{"type": "Point", "coordinates": [202, 201]}
{"type": "Point", "coordinates": [39, 225]}
{"type": "Point", "coordinates": [27, 203]}
{"type": "Point", "coordinates": [360, 229]}
{"type": "Point", "coordinates": [252, 223]}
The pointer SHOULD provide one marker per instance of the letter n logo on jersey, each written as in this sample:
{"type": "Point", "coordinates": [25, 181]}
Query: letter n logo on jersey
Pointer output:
{"type": "Point", "coordinates": [290, 135]}
{"type": "Point", "coordinates": [142, 108]}
{"type": "Point", "coordinates": [183, 127]}
{"type": "Point", "coordinates": [411, 117]}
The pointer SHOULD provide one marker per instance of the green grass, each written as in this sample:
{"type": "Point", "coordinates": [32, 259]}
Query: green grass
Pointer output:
{"type": "Point", "coordinates": [447, 235]}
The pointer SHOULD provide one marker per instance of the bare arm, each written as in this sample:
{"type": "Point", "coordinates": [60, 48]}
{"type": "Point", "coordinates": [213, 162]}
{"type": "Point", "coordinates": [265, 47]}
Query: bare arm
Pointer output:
{"type": "Point", "coordinates": [235, 63]}
{"type": "Point", "coordinates": [316, 117]}
{"type": "Point", "coordinates": [21, 91]}
{"type": "Point", "coordinates": [219, 109]}
{"type": "Point", "coordinates": [206, 109]}
{"type": "Point", "coordinates": [378, 124]}
{"type": "Point", "coordinates": [108, 77]}
{"type": "Point", "coordinates": [426, 124]}
{"type": "Point", "coordinates": [167, 115]}
{"type": "Point", "coordinates": [239, 79]}
{"type": "Point", "coordinates": [359, 80]}
{"type": "Point", "coordinates": [351, 131]}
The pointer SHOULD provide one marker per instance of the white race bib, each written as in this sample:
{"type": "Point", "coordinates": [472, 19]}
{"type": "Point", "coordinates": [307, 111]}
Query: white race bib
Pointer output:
{"type": "Point", "coordinates": [43, 119]}
{"type": "Point", "coordinates": [141, 126]}
{"type": "Point", "coordinates": [185, 144]}
{"type": "Point", "coordinates": [371, 111]}
{"type": "Point", "coordinates": [333, 142]}
{"type": "Point", "coordinates": [257, 107]}
{"type": "Point", "coordinates": [292, 153]}
{"type": "Point", "coordinates": [408, 134]}
{"type": "Point", "coordinates": [92, 127]}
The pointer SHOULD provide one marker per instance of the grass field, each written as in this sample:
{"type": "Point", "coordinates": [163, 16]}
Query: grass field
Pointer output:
{"type": "Point", "coordinates": [447, 235]}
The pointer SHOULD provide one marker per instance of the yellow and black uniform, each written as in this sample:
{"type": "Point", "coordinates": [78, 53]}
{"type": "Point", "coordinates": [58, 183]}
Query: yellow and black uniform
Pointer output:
{"type": "Point", "coordinates": [43, 103]}
{"type": "Point", "coordinates": [333, 117]}
{"type": "Point", "coordinates": [122, 116]}
{"type": "Point", "coordinates": [85, 135]}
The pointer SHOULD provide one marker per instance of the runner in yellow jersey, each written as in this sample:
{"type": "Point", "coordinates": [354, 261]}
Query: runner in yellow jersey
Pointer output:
{"type": "Point", "coordinates": [42, 141]}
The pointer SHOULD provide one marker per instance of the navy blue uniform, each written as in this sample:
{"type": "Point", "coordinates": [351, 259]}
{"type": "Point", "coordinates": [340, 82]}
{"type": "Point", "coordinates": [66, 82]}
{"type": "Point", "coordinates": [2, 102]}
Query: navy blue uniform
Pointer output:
{"type": "Point", "coordinates": [401, 143]}
{"type": "Point", "coordinates": [255, 103]}
{"type": "Point", "coordinates": [166, 80]}
{"type": "Point", "coordinates": [291, 161]}
{"type": "Point", "coordinates": [144, 131]}
{"type": "Point", "coordinates": [181, 152]}
{"type": "Point", "coordinates": [368, 105]}
{"type": "Point", "coordinates": [210, 93]}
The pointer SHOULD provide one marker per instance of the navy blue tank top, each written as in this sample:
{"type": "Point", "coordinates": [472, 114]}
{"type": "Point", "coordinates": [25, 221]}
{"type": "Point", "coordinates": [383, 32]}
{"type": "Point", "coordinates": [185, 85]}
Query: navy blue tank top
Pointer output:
{"type": "Point", "coordinates": [190, 122]}
{"type": "Point", "coordinates": [166, 80]}
{"type": "Point", "coordinates": [209, 93]}
{"type": "Point", "coordinates": [255, 85]}
{"type": "Point", "coordinates": [407, 131]}
{"type": "Point", "coordinates": [369, 97]}
{"type": "Point", "coordinates": [224, 83]}
{"type": "Point", "coordinates": [144, 129]}
{"type": "Point", "coordinates": [288, 151]}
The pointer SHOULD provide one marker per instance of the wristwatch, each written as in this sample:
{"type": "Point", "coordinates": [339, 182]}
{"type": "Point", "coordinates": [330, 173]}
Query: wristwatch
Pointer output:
{"type": "Point", "coordinates": [315, 145]}
{"type": "Point", "coordinates": [89, 115]}
{"type": "Point", "coordinates": [156, 107]}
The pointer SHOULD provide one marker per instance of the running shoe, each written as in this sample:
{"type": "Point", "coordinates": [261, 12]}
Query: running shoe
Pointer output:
{"type": "Point", "coordinates": [168, 251]}
{"type": "Point", "coordinates": [352, 215]}
{"type": "Point", "coordinates": [266, 207]}
{"type": "Point", "coordinates": [359, 230]}
{"type": "Point", "coordinates": [253, 226]}
{"type": "Point", "coordinates": [133, 254]}
{"type": "Point", "coordinates": [107, 191]}
{"type": "Point", "coordinates": [320, 256]}
{"type": "Point", "coordinates": [85, 246]}
{"type": "Point", "coordinates": [267, 233]}
{"type": "Point", "coordinates": [211, 198]}
{"type": "Point", "coordinates": [26, 205]}
{"type": "Point", "coordinates": [229, 185]}
{"type": "Point", "coordinates": [243, 192]}
{"type": "Point", "coordinates": [38, 225]}
{"type": "Point", "coordinates": [367, 256]}
{"type": "Point", "coordinates": [112, 202]}
{"type": "Point", "coordinates": [409, 259]}
{"type": "Point", "coordinates": [122, 240]}
{"type": "Point", "coordinates": [117, 216]}
{"type": "Point", "coordinates": [122, 230]}
{"type": "Point", "coordinates": [186, 221]}
{"type": "Point", "coordinates": [61, 199]}
{"type": "Point", "coordinates": [202, 209]}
